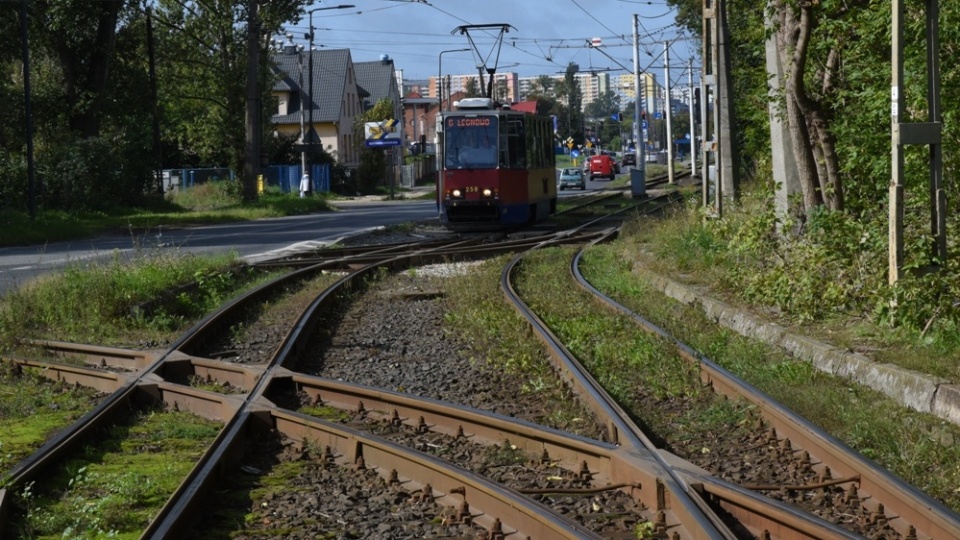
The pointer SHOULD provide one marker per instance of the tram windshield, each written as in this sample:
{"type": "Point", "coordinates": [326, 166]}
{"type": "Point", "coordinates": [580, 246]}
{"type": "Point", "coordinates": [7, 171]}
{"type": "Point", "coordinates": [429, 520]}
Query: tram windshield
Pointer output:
{"type": "Point", "coordinates": [470, 142]}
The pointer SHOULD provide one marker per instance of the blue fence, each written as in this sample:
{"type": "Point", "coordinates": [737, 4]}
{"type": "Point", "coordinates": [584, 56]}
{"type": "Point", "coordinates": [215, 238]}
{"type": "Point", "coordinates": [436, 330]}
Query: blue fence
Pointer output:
{"type": "Point", "coordinates": [286, 177]}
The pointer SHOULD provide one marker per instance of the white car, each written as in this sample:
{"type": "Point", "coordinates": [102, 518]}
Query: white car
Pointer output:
{"type": "Point", "coordinates": [571, 178]}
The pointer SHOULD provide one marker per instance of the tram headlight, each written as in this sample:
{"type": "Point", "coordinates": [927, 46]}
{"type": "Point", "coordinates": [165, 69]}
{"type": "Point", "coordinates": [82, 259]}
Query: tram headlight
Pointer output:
{"type": "Point", "coordinates": [488, 192]}
{"type": "Point", "coordinates": [457, 193]}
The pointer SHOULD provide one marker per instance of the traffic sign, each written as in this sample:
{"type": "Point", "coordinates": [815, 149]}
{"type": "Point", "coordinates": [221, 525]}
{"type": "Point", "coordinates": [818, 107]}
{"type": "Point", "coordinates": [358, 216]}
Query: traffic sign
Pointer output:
{"type": "Point", "coordinates": [574, 154]}
{"type": "Point", "coordinates": [569, 144]}
{"type": "Point", "coordinates": [643, 123]}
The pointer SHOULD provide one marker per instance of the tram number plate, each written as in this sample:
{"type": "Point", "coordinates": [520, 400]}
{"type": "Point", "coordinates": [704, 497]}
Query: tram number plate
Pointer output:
{"type": "Point", "coordinates": [471, 189]}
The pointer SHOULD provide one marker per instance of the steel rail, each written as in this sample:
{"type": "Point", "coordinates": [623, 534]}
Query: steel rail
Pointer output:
{"type": "Point", "coordinates": [606, 462]}
{"type": "Point", "coordinates": [148, 384]}
{"type": "Point", "coordinates": [175, 516]}
{"type": "Point", "coordinates": [67, 439]}
{"type": "Point", "coordinates": [907, 509]}
{"type": "Point", "coordinates": [684, 507]}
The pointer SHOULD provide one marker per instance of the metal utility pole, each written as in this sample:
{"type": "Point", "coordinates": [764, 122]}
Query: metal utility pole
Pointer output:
{"type": "Point", "coordinates": [440, 73]}
{"type": "Point", "coordinates": [726, 112]}
{"type": "Point", "coordinates": [709, 83]}
{"type": "Point", "coordinates": [157, 147]}
{"type": "Point", "coordinates": [693, 140]}
{"type": "Point", "coordinates": [303, 132]}
{"type": "Point", "coordinates": [785, 174]}
{"type": "Point", "coordinates": [668, 111]}
{"type": "Point", "coordinates": [638, 182]}
{"type": "Point", "coordinates": [928, 133]}
{"type": "Point", "coordinates": [310, 105]}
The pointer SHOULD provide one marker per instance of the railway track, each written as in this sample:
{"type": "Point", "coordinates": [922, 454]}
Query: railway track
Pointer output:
{"type": "Point", "coordinates": [418, 464]}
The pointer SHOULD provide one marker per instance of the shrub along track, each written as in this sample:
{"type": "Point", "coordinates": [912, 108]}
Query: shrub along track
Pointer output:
{"type": "Point", "coordinates": [385, 334]}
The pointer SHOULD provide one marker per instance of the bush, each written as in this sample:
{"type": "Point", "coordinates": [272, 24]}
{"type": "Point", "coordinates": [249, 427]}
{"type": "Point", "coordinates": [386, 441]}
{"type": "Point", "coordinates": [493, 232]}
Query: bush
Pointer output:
{"type": "Point", "coordinates": [90, 173]}
{"type": "Point", "coordinates": [13, 181]}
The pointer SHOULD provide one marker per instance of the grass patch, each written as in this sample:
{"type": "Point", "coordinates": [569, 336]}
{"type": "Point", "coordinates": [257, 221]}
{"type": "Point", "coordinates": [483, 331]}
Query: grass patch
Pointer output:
{"type": "Point", "coordinates": [714, 254]}
{"type": "Point", "coordinates": [921, 449]}
{"type": "Point", "coordinates": [635, 367]}
{"type": "Point", "coordinates": [115, 302]}
{"type": "Point", "coordinates": [33, 408]}
{"type": "Point", "coordinates": [117, 484]}
{"type": "Point", "coordinates": [478, 313]}
{"type": "Point", "coordinates": [497, 336]}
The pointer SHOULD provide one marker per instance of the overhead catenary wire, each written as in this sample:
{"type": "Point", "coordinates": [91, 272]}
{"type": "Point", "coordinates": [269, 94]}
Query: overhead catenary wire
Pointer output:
{"type": "Point", "coordinates": [536, 51]}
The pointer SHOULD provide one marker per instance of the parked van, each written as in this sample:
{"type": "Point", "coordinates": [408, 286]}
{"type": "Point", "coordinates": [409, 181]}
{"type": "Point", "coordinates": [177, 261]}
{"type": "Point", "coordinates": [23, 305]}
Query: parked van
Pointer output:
{"type": "Point", "coordinates": [602, 165]}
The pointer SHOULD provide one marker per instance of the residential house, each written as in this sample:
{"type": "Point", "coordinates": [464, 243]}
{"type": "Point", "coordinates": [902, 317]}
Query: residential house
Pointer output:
{"type": "Point", "coordinates": [420, 116]}
{"type": "Point", "coordinates": [318, 99]}
{"type": "Point", "coordinates": [419, 119]}
{"type": "Point", "coordinates": [377, 78]}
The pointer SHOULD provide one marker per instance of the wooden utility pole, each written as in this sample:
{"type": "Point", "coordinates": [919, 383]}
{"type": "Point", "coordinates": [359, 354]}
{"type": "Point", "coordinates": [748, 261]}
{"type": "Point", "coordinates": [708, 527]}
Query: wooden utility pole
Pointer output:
{"type": "Point", "coordinates": [928, 133]}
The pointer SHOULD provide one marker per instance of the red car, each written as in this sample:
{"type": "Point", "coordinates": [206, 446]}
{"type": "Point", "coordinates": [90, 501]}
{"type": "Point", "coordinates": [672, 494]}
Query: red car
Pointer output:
{"type": "Point", "coordinates": [602, 166]}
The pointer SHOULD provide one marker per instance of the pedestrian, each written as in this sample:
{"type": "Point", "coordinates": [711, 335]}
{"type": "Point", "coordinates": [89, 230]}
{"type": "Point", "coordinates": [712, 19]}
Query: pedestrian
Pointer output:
{"type": "Point", "coordinates": [304, 185]}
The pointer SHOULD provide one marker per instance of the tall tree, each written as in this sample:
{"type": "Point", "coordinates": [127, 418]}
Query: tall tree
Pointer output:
{"type": "Point", "coordinates": [82, 35]}
{"type": "Point", "coordinates": [203, 65]}
{"type": "Point", "coordinates": [542, 90]}
{"type": "Point", "coordinates": [574, 96]}
{"type": "Point", "coordinates": [472, 88]}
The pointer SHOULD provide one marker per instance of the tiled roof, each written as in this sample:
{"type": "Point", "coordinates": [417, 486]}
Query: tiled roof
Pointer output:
{"type": "Point", "coordinates": [329, 77]}
{"type": "Point", "coordinates": [376, 77]}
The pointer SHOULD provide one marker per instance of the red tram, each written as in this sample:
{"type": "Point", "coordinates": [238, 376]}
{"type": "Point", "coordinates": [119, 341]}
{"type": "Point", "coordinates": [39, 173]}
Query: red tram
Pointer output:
{"type": "Point", "coordinates": [498, 169]}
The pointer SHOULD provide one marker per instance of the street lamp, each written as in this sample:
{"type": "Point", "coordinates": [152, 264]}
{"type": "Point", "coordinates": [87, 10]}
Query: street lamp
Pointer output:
{"type": "Point", "coordinates": [292, 48]}
{"type": "Point", "coordinates": [310, 66]}
{"type": "Point", "coordinates": [440, 74]}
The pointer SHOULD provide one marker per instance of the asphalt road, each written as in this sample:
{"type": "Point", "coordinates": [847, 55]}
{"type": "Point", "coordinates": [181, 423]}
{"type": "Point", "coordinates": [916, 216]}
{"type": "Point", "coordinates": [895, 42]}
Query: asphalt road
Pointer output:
{"type": "Point", "coordinates": [252, 240]}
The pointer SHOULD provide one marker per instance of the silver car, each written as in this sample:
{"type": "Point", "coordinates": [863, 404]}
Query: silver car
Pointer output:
{"type": "Point", "coordinates": [571, 178]}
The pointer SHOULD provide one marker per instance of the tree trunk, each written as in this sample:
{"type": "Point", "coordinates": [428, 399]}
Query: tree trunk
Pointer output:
{"type": "Point", "coordinates": [793, 59]}
{"type": "Point", "coordinates": [796, 28]}
{"type": "Point", "coordinates": [86, 71]}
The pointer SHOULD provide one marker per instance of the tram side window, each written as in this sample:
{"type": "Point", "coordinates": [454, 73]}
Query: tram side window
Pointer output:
{"type": "Point", "coordinates": [537, 142]}
{"type": "Point", "coordinates": [516, 146]}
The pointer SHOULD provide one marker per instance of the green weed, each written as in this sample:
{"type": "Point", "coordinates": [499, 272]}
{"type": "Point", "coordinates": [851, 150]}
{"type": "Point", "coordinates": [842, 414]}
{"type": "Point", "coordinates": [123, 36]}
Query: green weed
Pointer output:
{"type": "Point", "coordinates": [919, 448]}
{"type": "Point", "coordinates": [116, 485]}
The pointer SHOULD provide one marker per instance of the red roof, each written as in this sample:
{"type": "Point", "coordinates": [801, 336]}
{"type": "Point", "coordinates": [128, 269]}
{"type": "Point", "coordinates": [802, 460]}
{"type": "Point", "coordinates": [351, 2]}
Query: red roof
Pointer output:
{"type": "Point", "coordinates": [525, 106]}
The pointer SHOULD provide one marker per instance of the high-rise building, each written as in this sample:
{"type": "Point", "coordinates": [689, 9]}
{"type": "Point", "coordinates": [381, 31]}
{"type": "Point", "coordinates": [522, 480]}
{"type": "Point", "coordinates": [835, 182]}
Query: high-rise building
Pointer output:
{"type": "Point", "coordinates": [625, 86]}
{"type": "Point", "coordinates": [505, 85]}
{"type": "Point", "coordinates": [591, 85]}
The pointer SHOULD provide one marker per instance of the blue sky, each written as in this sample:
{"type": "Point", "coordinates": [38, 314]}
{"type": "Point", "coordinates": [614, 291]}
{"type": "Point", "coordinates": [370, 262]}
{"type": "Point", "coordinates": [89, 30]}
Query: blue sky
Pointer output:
{"type": "Point", "coordinates": [545, 35]}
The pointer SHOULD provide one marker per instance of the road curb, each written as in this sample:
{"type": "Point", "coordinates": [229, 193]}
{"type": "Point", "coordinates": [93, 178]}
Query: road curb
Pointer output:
{"type": "Point", "coordinates": [918, 391]}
